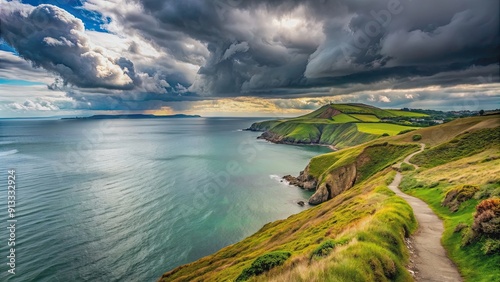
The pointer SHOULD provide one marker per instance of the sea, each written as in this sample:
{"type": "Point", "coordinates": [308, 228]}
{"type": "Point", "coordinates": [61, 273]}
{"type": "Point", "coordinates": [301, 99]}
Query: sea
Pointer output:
{"type": "Point", "coordinates": [130, 199]}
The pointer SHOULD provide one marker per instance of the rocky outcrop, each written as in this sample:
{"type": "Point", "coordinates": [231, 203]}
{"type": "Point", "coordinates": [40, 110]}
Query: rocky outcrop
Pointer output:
{"type": "Point", "coordinates": [336, 182]}
{"type": "Point", "coordinates": [333, 183]}
{"type": "Point", "coordinates": [304, 180]}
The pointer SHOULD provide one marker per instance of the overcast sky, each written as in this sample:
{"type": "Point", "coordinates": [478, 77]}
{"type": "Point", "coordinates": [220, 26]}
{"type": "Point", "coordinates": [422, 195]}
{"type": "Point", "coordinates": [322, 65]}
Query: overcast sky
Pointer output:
{"type": "Point", "coordinates": [252, 57]}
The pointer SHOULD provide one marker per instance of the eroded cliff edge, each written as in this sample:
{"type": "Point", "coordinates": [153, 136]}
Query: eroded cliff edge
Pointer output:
{"type": "Point", "coordinates": [345, 168]}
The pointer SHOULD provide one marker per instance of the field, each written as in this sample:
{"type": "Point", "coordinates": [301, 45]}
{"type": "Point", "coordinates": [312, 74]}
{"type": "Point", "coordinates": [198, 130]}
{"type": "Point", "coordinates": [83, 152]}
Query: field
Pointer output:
{"type": "Point", "coordinates": [366, 118]}
{"type": "Point", "coordinates": [363, 109]}
{"type": "Point", "coordinates": [340, 125]}
{"type": "Point", "coordinates": [343, 118]}
{"type": "Point", "coordinates": [381, 128]}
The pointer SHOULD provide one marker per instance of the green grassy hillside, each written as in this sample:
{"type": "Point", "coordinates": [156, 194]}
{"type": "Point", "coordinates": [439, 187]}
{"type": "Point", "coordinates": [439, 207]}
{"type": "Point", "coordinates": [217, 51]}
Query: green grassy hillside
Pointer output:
{"type": "Point", "coordinates": [359, 234]}
{"type": "Point", "coordinates": [454, 179]}
{"type": "Point", "coordinates": [340, 125]}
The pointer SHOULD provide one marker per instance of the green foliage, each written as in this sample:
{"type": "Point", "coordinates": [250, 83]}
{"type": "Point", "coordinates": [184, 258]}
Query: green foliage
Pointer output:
{"type": "Point", "coordinates": [406, 167]}
{"type": "Point", "coordinates": [407, 113]}
{"type": "Point", "coordinates": [380, 157]}
{"type": "Point", "coordinates": [491, 246]}
{"type": "Point", "coordinates": [490, 190]}
{"type": "Point", "coordinates": [324, 249]}
{"type": "Point", "coordinates": [386, 134]}
{"type": "Point", "coordinates": [463, 145]}
{"type": "Point", "coordinates": [263, 264]}
{"type": "Point", "coordinates": [416, 137]}
{"type": "Point", "coordinates": [406, 131]}
{"type": "Point", "coordinates": [464, 245]}
{"type": "Point", "coordinates": [457, 195]}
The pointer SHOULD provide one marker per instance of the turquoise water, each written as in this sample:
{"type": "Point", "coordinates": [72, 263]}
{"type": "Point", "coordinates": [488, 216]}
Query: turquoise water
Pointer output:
{"type": "Point", "coordinates": [127, 200]}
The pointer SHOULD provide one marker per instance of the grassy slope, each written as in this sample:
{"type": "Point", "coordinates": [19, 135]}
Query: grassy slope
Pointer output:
{"type": "Point", "coordinates": [365, 117]}
{"type": "Point", "coordinates": [461, 146]}
{"type": "Point", "coordinates": [366, 223]}
{"type": "Point", "coordinates": [344, 118]}
{"type": "Point", "coordinates": [380, 156]}
{"type": "Point", "coordinates": [341, 125]}
{"type": "Point", "coordinates": [469, 160]}
{"type": "Point", "coordinates": [381, 128]}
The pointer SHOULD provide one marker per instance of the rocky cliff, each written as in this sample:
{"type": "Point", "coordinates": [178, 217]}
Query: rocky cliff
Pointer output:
{"type": "Point", "coordinates": [341, 177]}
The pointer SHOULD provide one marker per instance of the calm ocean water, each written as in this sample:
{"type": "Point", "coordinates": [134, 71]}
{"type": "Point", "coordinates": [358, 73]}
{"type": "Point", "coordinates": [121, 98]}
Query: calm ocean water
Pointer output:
{"type": "Point", "coordinates": [127, 200]}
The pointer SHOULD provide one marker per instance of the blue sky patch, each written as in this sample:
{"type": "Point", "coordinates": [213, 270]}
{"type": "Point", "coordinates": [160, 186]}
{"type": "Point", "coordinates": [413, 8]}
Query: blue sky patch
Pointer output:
{"type": "Point", "coordinates": [18, 82]}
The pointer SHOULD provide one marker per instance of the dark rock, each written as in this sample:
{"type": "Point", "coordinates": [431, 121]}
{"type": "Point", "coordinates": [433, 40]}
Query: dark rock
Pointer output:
{"type": "Point", "coordinates": [301, 203]}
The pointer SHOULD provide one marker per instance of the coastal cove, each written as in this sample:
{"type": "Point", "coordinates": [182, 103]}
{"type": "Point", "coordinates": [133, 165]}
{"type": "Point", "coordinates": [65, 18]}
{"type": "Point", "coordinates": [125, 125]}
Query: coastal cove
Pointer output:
{"type": "Point", "coordinates": [144, 201]}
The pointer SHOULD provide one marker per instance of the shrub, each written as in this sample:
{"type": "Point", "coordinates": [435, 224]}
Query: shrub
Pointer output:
{"type": "Point", "coordinates": [468, 237]}
{"type": "Point", "coordinates": [487, 218]}
{"type": "Point", "coordinates": [461, 226]}
{"type": "Point", "coordinates": [264, 263]}
{"type": "Point", "coordinates": [491, 246]}
{"type": "Point", "coordinates": [405, 131]}
{"type": "Point", "coordinates": [456, 196]}
{"type": "Point", "coordinates": [324, 249]}
{"type": "Point", "coordinates": [416, 137]}
{"type": "Point", "coordinates": [385, 134]}
{"type": "Point", "coordinates": [406, 167]}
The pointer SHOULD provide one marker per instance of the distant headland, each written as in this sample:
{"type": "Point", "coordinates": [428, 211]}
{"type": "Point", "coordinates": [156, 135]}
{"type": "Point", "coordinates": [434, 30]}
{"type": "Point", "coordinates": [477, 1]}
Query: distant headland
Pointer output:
{"type": "Point", "coordinates": [134, 116]}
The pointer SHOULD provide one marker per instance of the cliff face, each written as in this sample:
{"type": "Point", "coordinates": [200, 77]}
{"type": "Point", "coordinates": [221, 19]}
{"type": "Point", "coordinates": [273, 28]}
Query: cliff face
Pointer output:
{"type": "Point", "coordinates": [333, 182]}
{"type": "Point", "coordinates": [336, 182]}
{"type": "Point", "coordinates": [329, 186]}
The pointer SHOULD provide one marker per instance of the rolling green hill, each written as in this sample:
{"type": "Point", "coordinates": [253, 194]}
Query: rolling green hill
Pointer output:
{"type": "Point", "coordinates": [358, 233]}
{"type": "Point", "coordinates": [340, 125]}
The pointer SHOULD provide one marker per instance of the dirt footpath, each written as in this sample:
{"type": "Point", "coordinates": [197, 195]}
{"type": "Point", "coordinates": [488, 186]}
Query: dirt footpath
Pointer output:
{"type": "Point", "coordinates": [429, 257]}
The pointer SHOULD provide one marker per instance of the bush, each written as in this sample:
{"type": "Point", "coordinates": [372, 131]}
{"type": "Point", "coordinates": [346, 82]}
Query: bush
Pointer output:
{"type": "Point", "coordinates": [416, 137]}
{"type": "Point", "coordinates": [264, 263]}
{"type": "Point", "coordinates": [406, 167]}
{"type": "Point", "coordinates": [324, 249]}
{"type": "Point", "coordinates": [405, 131]}
{"type": "Point", "coordinates": [456, 196]}
{"type": "Point", "coordinates": [385, 134]}
{"type": "Point", "coordinates": [461, 226]}
{"type": "Point", "coordinates": [468, 237]}
{"type": "Point", "coordinates": [491, 246]}
{"type": "Point", "coordinates": [487, 218]}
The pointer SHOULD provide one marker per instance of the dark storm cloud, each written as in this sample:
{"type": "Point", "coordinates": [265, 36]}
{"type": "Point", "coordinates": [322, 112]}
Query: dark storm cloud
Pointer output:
{"type": "Point", "coordinates": [261, 48]}
{"type": "Point", "coordinates": [363, 41]}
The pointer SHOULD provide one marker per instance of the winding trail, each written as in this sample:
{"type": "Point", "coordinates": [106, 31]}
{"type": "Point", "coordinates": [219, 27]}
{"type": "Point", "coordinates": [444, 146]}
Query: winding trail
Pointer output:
{"type": "Point", "coordinates": [429, 258]}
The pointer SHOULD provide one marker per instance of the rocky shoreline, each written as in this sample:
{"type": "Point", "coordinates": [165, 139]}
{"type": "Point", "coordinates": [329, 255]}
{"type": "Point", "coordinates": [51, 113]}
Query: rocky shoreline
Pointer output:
{"type": "Point", "coordinates": [277, 139]}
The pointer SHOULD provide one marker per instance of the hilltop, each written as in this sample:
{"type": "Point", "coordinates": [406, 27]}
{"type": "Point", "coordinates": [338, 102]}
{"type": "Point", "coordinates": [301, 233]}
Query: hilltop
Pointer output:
{"type": "Point", "coordinates": [341, 125]}
{"type": "Point", "coordinates": [358, 233]}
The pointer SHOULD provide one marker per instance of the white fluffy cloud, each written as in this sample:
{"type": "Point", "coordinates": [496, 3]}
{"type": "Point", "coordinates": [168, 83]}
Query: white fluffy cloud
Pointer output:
{"type": "Point", "coordinates": [55, 40]}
